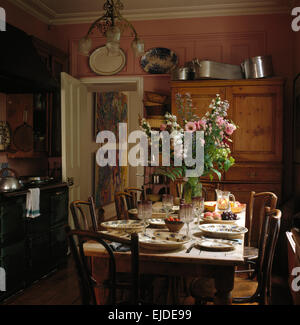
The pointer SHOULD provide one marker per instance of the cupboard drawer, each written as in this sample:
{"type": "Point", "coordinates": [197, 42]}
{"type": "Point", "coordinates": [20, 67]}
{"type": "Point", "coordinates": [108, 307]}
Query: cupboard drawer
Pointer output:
{"type": "Point", "coordinates": [250, 173]}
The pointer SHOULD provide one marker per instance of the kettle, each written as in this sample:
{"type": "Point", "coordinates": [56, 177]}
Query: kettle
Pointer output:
{"type": "Point", "coordinates": [9, 183]}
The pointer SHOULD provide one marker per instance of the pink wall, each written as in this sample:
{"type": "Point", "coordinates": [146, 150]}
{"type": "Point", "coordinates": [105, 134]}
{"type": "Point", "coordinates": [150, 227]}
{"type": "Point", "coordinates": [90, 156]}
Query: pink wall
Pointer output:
{"type": "Point", "coordinates": [224, 39]}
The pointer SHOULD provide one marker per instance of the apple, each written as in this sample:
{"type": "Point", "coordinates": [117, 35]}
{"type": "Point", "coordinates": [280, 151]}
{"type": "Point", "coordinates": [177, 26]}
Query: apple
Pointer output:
{"type": "Point", "coordinates": [217, 216]}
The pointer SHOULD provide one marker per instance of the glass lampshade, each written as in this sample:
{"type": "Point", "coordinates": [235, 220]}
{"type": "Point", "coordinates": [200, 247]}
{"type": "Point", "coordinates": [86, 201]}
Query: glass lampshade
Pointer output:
{"type": "Point", "coordinates": [138, 47]}
{"type": "Point", "coordinates": [84, 46]}
{"type": "Point", "coordinates": [113, 34]}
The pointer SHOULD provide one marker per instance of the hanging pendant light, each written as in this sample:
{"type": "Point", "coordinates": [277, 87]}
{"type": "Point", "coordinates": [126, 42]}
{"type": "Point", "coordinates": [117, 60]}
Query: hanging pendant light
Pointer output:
{"type": "Point", "coordinates": [111, 25]}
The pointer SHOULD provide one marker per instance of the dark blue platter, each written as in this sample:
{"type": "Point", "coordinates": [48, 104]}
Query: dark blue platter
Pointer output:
{"type": "Point", "coordinates": [159, 60]}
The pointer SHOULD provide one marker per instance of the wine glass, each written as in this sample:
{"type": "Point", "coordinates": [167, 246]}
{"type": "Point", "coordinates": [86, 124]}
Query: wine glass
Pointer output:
{"type": "Point", "coordinates": [147, 211]}
{"type": "Point", "coordinates": [198, 204]}
{"type": "Point", "coordinates": [144, 212]}
{"type": "Point", "coordinates": [186, 214]}
{"type": "Point", "coordinates": [167, 202]}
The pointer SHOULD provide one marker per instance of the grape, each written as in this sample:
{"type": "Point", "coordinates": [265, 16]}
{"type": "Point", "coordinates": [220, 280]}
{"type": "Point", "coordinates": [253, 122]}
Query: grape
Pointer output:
{"type": "Point", "coordinates": [228, 215]}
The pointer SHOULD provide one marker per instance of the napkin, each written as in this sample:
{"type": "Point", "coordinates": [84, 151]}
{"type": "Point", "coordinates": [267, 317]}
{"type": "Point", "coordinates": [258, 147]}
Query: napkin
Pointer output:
{"type": "Point", "coordinates": [118, 247]}
{"type": "Point", "coordinates": [33, 203]}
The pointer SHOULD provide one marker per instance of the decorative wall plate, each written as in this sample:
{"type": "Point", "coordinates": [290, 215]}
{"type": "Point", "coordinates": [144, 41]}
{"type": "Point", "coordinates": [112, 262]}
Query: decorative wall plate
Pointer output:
{"type": "Point", "coordinates": [5, 135]}
{"type": "Point", "coordinates": [106, 65]}
{"type": "Point", "coordinates": [159, 60]}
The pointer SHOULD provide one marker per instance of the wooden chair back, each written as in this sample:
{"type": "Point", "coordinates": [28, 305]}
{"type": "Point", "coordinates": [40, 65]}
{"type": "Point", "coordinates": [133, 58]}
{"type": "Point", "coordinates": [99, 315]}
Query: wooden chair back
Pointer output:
{"type": "Point", "coordinates": [121, 206]}
{"type": "Point", "coordinates": [269, 237]}
{"type": "Point", "coordinates": [137, 194]}
{"type": "Point", "coordinates": [87, 282]}
{"type": "Point", "coordinates": [80, 215]}
{"type": "Point", "coordinates": [255, 215]}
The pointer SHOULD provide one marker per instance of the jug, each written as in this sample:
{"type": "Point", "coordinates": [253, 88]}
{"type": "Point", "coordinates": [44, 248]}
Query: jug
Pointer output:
{"type": "Point", "coordinates": [223, 200]}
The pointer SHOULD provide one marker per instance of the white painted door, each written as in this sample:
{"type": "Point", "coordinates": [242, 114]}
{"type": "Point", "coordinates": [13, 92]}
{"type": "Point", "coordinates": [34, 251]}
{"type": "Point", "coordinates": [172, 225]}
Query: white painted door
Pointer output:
{"type": "Point", "coordinates": [74, 104]}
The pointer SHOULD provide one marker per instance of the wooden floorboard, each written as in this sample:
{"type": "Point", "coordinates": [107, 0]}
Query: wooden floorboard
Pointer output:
{"type": "Point", "coordinates": [61, 288]}
{"type": "Point", "coordinates": [58, 288]}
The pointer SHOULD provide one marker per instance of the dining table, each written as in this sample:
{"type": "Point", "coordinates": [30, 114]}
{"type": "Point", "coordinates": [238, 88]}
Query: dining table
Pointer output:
{"type": "Point", "coordinates": [182, 261]}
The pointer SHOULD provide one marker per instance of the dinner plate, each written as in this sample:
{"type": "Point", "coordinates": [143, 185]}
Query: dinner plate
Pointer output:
{"type": "Point", "coordinates": [125, 225]}
{"type": "Point", "coordinates": [215, 244]}
{"type": "Point", "coordinates": [159, 60]}
{"type": "Point", "coordinates": [104, 64]}
{"type": "Point", "coordinates": [222, 230]}
{"type": "Point", "coordinates": [155, 214]}
{"type": "Point", "coordinates": [163, 240]}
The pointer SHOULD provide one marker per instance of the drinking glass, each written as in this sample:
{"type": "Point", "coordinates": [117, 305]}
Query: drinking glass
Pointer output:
{"type": "Point", "coordinates": [167, 202]}
{"type": "Point", "coordinates": [186, 214]}
{"type": "Point", "coordinates": [147, 211]}
{"type": "Point", "coordinates": [198, 204]}
{"type": "Point", "coordinates": [144, 212]}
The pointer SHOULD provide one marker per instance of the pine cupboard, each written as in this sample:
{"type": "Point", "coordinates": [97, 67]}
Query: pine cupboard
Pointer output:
{"type": "Point", "coordinates": [256, 106]}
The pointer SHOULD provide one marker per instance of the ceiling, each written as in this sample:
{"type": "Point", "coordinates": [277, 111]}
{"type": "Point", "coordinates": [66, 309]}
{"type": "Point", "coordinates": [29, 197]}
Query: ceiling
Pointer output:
{"type": "Point", "coordinates": [80, 11]}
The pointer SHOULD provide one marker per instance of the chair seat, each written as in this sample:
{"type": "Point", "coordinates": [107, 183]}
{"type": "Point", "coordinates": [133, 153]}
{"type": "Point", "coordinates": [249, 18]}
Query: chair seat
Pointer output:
{"type": "Point", "coordinates": [250, 253]}
{"type": "Point", "coordinates": [203, 289]}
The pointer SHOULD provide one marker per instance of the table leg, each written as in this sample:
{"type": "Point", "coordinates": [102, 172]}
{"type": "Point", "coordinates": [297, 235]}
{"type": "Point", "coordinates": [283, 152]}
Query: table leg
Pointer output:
{"type": "Point", "coordinates": [224, 282]}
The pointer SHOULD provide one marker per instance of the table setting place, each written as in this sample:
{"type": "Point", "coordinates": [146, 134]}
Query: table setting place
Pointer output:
{"type": "Point", "coordinates": [210, 226]}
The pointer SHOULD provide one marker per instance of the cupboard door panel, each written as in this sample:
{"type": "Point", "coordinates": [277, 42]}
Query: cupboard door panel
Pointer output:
{"type": "Point", "coordinates": [257, 111]}
{"type": "Point", "coordinates": [201, 97]}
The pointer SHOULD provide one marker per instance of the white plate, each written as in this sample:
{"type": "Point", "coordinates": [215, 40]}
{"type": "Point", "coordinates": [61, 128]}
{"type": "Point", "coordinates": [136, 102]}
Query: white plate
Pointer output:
{"type": "Point", "coordinates": [157, 222]}
{"type": "Point", "coordinates": [104, 64]}
{"type": "Point", "coordinates": [215, 244]}
{"type": "Point", "coordinates": [163, 240]}
{"type": "Point", "coordinates": [222, 230]}
{"type": "Point", "coordinates": [124, 225]}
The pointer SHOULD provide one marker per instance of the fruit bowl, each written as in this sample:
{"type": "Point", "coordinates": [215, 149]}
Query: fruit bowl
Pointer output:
{"type": "Point", "coordinates": [174, 224]}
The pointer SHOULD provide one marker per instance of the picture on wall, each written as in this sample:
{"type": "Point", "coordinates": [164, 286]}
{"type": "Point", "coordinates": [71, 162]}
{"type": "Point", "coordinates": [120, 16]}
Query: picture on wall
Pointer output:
{"type": "Point", "coordinates": [111, 108]}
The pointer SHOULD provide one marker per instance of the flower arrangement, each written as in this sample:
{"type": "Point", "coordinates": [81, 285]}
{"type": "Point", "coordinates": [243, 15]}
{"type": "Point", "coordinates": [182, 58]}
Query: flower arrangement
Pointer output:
{"type": "Point", "coordinates": [217, 129]}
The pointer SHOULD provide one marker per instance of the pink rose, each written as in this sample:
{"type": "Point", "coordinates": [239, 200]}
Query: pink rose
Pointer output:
{"type": "Point", "coordinates": [201, 124]}
{"type": "Point", "coordinates": [220, 121]}
{"type": "Point", "coordinates": [230, 128]}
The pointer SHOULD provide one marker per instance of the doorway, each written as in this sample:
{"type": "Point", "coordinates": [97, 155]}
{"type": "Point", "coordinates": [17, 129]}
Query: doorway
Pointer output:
{"type": "Point", "coordinates": [133, 87]}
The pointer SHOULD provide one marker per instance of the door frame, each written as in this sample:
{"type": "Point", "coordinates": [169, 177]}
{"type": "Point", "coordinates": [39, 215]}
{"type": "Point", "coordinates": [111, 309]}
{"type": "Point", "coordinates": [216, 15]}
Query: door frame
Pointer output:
{"type": "Point", "coordinates": [134, 86]}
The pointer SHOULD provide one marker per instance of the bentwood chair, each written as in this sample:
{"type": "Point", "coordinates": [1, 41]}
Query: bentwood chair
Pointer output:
{"type": "Point", "coordinates": [254, 222]}
{"type": "Point", "coordinates": [136, 195]}
{"type": "Point", "coordinates": [247, 290]}
{"type": "Point", "coordinates": [84, 214]}
{"type": "Point", "coordinates": [121, 205]}
{"type": "Point", "coordinates": [88, 284]}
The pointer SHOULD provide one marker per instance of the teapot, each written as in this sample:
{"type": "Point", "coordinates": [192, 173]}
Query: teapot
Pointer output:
{"type": "Point", "coordinates": [223, 199]}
